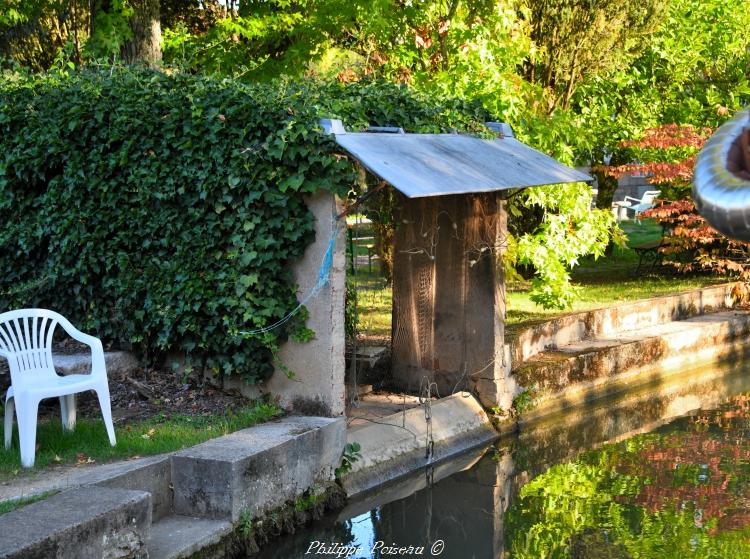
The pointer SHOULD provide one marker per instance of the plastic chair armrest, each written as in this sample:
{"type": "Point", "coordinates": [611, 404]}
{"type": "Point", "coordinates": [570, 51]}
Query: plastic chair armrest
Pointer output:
{"type": "Point", "coordinates": [97, 350]}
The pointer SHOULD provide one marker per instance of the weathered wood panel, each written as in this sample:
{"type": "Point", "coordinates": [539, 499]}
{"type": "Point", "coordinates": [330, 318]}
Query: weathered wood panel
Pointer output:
{"type": "Point", "coordinates": [448, 292]}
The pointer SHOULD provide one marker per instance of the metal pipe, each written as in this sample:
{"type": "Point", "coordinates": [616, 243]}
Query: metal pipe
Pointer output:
{"type": "Point", "coordinates": [721, 182]}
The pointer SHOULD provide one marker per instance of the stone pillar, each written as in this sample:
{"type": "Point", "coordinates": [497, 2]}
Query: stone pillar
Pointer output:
{"type": "Point", "coordinates": [449, 295]}
{"type": "Point", "coordinates": [316, 386]}
{"type": "Point", "coordinates": [318, 365]}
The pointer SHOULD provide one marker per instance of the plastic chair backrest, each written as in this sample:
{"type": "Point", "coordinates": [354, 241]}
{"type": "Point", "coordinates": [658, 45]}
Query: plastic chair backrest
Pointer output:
{"type": "Point", "coordinates": [26, 342]}
{"type": "Point", "coordinates": [649, 196]}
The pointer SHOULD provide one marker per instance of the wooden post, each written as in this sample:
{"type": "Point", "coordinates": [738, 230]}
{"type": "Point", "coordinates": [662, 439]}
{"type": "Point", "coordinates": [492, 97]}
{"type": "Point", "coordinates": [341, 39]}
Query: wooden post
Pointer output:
{"type": "Point", "coordinates": [449, 295]}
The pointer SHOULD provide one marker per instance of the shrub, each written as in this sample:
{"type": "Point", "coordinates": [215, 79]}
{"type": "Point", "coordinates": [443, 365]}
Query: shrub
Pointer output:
{"type": "Point", "coordinates": [692, 245]}
{"type": "Point", "coordinates": [161, 211]}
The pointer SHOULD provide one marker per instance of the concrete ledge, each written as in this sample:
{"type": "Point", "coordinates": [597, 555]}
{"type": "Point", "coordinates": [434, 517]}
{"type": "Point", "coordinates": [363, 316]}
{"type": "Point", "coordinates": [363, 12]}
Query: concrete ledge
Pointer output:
{"type": "Point", "coordinates": [611, 320]}
{"type": "Point", "coordinates": [152, 475]}
{"type": "Point", "coordinates": [397, 444]}
{"type": "Point", "coordinates": [410, 483]}
{"type": "Point", "coordinates": [256, 469]}
{"type": "Point", "coordinates": [86, 523]}
{"type": "Point", "coordinates": [70, 477]}
{"type": "Point", "coordinates": [117, 362]}
{"type": "Point", "coordinates": [179, 537]}
{"type": "Point", "coordinates": [593, 369]}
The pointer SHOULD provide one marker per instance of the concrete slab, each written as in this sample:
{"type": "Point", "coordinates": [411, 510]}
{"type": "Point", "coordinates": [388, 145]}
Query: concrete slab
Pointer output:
{"type": "Point", "coordinates": [374, 407]}
{"type": "Point", "coordinates": [397, 444]}
{"type": "Point", "coordinates": [589, 369]}
{"type": "Point", "coordinates": [85, 523]}
{"type": "Point", "coordinates": [256, 469]}
{"type": "Point", "coordinates": [154, 476]}
{"type": "Point", "coordinates": [69, 477]}
{"type": "Point", "coordinates": [176, 537]}
{"type": "Point", "coordinates": [117, 362]}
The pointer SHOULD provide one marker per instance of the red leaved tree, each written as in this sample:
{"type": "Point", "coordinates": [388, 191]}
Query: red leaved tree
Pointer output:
{"type": "Point", "coordinates": [666, 155]}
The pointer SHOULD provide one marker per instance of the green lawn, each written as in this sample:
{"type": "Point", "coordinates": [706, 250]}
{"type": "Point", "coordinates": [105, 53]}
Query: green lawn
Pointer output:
{"type": "Point", "coordinates": [7, 506]}
{"type": "Point", "coordinates": [606, 281]}
{"type": "Point", "coordinates": [89, 443]}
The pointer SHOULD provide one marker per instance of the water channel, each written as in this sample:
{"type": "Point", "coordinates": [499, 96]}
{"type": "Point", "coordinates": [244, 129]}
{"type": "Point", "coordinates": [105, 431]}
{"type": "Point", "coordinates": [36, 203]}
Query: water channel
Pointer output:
{"type": "Point", "coordinates": [662, 471]}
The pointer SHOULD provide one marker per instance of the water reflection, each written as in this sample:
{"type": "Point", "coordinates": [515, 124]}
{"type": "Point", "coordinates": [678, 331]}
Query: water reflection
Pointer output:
{"type": "Point", "coordinates": [661, 472]}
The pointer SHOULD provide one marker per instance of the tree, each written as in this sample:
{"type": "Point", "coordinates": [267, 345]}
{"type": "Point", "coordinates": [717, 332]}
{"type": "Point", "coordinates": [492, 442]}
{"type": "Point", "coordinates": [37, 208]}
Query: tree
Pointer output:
{"type": "Point", "coordinates": [666, 156]}
{"type": "Point", "coordinates": [35, 34]}
{"type": "Point", "coordinates": [129, 30]}
{"type": "Point", "coordinates": [145, 42]}
{"type": "Point", "coordinates": [576, 40]}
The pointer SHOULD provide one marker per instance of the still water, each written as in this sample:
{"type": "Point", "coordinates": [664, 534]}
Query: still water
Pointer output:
{"type": "Point", "coordinates": [661, 472]}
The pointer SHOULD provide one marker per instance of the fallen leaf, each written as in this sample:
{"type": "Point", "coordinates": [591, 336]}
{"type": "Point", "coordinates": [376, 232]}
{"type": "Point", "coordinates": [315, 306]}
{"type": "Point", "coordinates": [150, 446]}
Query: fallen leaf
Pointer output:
{"type": "Point", "coordinates": [81, 458]}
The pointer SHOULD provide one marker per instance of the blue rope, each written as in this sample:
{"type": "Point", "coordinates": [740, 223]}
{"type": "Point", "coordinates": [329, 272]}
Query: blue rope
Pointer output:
{"type": "Point", "coordinates": [325, 268]}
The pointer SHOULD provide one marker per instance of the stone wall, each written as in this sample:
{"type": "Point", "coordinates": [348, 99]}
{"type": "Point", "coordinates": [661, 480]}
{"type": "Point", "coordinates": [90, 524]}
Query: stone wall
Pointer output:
{"type": "Point", "coordinates": [607, 321]}
{"type": "Point", "coordinates": [310, 375]}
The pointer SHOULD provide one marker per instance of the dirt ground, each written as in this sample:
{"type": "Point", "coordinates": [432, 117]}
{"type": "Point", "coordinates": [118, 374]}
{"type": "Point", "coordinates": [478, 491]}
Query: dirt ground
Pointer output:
{"type": "Point", "coordinates": [142, 393]}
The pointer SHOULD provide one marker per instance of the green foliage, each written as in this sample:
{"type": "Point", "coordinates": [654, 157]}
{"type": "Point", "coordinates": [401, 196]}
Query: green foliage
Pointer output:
{"type": "Point", "coordinates": [246, 524]}
{"type": "Point", "coordinates": [525, 401]}
{"type": "Point", "coordinates": [308, 499]}
{"type": "Point", "coordinates": [349, 457]}
{"type": "Point", "coordinates": [88, 443]}
{"type": "Point", "coordinates": [674, 493]}
{"type": "Point", "coordinates": [162, 211]}
{"type": "Point", "coordinates": [576, 40]}
{"type": "Point", "coordinates": [111, 29]}
{"type": "Point", "coordinates": [351, 316]}
{"type": "Point", "coordinates": [569, 230]}
{"type": "Point", "coordinates": [7, 506]}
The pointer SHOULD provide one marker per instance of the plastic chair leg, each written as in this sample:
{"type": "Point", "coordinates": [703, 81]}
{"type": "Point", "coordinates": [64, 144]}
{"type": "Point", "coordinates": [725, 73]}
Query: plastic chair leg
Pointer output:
{"type": "Point", "coordinates": [103, 394]}
{"type": "Point", "coordinates": [68, 412]}
{"type": "Point", "coordinates": [10, 409]}
{"type": "Point", "coordinates": [26, 413]}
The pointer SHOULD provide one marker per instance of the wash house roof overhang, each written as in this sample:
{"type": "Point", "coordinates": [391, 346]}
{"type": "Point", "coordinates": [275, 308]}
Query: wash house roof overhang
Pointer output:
{"type": "Point", "coordinates": [421, 165]}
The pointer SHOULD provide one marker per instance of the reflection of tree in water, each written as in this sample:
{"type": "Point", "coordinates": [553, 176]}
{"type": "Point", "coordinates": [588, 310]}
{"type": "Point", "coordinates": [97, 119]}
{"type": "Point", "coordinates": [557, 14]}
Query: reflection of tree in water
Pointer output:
{"type": "Point", "coordinates": [682, 491]}
{"type": "Point", "coordinates": [707, 466]}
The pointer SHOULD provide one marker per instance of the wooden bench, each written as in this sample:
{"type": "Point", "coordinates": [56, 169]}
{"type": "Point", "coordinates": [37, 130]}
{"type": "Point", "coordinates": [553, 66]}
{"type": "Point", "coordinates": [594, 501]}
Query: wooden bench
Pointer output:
{"type": "Point", "coordinates": [648, 251]}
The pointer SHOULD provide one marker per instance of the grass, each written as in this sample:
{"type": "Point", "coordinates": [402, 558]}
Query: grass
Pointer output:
{"type": "Point", "coordinates": [604, 282]}
{"type": "Point", "coordinates": [7, 506]}
{"type": "Point", "coordinates": [89, 443]}
{"type": "Point", "coordinates": [374, 303]}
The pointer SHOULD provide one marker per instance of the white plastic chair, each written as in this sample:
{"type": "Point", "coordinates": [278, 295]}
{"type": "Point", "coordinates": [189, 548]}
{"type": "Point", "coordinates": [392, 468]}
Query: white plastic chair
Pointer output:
{"type": "Point", "coordinates": [645, 203]}
{"type": "Point", "coordinates": [26, 342]}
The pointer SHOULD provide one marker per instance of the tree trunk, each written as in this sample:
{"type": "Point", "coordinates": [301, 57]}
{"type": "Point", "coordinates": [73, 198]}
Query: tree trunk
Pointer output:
{"type": "Point", "coordinates": [146, 42]}
{"type": "Point", "coordinates": [606, 186]}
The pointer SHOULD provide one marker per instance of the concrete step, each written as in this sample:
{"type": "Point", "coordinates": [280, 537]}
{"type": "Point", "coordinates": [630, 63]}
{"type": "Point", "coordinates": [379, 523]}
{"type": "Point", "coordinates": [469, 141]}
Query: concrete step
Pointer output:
{"type": "Point", "coordinates": [396, 445]}
{"type": "Point", "coordinates": [612, 321]}
{"type": "Point", "coordinates": [177, 537]}
{"type": "Point", "coordinates": [151, 474]}
{"type": "Point", "coordinates": [660, 348]}
{"type": "Point", "coordinates": [256, 469]}
{"type": "Point", "coordinates": [84, 523]}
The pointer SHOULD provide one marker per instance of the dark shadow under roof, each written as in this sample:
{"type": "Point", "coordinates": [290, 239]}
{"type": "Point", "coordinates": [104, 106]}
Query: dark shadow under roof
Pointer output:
{"type": "Point", "coordinates": [440, 164]}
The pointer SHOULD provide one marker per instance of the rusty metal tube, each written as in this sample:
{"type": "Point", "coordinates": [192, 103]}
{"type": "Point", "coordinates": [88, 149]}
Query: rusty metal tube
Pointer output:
{"type": "Point", "coordinates": [721, 182]}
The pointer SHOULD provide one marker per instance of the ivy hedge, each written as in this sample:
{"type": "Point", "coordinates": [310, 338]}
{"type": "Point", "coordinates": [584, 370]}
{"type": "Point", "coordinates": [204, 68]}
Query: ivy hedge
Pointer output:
{"type": "Point", "coordinates": [161, 211]}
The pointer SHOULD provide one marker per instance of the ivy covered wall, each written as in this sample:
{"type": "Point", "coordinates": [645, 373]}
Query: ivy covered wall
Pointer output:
{"type": "Point", "coordinates": [160, 211]}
